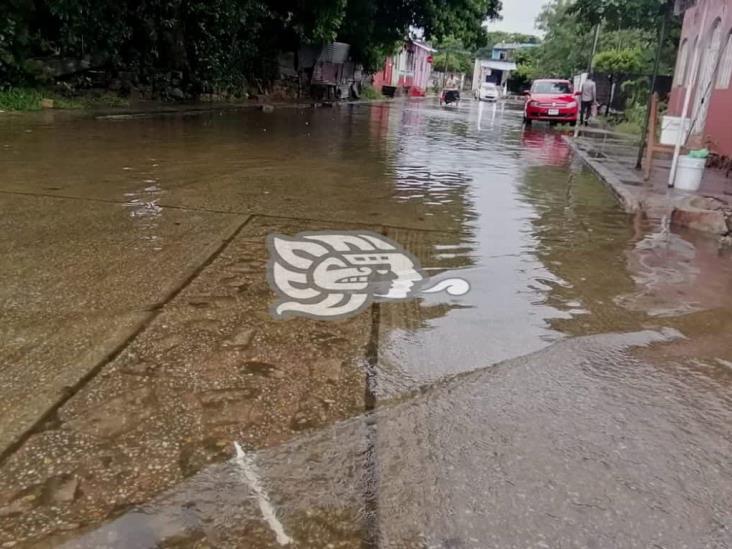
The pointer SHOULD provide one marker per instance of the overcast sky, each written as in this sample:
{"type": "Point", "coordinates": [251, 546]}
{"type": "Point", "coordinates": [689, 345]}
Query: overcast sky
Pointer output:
{"type": "Point", "coordinates": [518, 16]}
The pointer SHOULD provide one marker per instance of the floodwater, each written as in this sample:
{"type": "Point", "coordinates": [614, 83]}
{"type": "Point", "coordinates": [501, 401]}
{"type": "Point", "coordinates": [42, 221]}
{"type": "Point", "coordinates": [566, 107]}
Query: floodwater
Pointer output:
{"type": "Point", "coordinates": [578, 396]}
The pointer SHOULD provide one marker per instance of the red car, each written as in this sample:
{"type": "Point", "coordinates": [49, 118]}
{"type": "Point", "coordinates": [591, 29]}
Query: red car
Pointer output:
{"type": "Point", "coordinates": [551, 100]}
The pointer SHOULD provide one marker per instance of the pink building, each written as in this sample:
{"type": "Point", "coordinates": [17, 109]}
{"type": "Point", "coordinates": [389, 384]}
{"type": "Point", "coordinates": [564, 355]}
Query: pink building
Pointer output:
{"type": "Point", "coordinates": [704, 66]}
{"type": "Point", "coordinates": [406, 72]}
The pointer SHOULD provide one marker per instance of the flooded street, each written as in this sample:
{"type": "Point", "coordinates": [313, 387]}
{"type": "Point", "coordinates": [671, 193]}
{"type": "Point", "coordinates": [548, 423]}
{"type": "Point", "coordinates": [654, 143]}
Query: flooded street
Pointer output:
{"type": "Point", "coordinates": [579, 395]}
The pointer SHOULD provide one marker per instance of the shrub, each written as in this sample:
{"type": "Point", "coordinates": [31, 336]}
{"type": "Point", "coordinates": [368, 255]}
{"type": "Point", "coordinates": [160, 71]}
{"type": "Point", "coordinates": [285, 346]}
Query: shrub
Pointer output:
{"type": "Point", "coordinates": [20, 99]}
{"type": "Point", "coordinates": [369, 92]}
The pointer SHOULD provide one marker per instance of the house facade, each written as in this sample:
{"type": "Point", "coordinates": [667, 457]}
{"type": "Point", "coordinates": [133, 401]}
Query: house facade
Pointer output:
{"type": "Point", "coordinates": [505, 51]}
{"type": "Point", "coordinates": [704, 70]}
{"type": "Point", "coordinates": [498, 68]}
{"type": "Point", "coordinates": [406, 72]}
{"type": "Point", "coordinates": [490, 70]}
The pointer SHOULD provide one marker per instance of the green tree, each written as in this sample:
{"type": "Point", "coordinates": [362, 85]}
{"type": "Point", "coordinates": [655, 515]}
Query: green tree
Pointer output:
{"type": "Point", "coordinates": [619, 14]}
{"type": "Point", "coordinates": [619, 62]}
{"type": "Point", "coordinates": [526, 68]}
{"type": "Point", "coordinates": [639, 20]}
{"type": "Point", "coordinates": [217, 43]}
{"type": "Point", "coordinates": [566, 42]}
{"type": "Point", "coordinates": [376, 27]}
{"type": "Point", "coordinates": [568, 27]}
{"type": "Point", "coordinates": [452, 56]}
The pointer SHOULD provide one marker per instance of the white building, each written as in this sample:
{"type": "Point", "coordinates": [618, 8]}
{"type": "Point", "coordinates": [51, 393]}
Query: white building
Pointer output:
{"type": "Point", "coordinates": [491, 70]}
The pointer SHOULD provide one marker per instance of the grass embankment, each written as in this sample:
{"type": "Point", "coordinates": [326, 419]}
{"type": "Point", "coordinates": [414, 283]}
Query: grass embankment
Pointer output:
{"type": "Point", "coordinates": [633, 119]}
{"type": "Point", "coordinates": [627, 126]}
{"type": "Point", "coordinates": [371, 93]}
{"type": "Point", "coordinates": [34, 99]}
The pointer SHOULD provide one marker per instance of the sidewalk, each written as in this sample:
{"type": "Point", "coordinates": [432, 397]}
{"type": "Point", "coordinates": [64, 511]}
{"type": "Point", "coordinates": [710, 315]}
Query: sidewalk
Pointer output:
{"type": "Point", "coordinates": [612, 157]}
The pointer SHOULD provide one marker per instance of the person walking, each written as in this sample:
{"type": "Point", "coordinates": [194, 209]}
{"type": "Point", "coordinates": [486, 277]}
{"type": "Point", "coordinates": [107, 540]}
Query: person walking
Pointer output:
{"type": "Point", "coordinates": [588, 98]}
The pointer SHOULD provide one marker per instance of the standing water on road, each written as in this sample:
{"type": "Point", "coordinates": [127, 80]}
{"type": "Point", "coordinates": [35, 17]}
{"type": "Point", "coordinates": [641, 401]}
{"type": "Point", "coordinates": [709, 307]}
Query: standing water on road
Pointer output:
{"type": "Point", "coordinates": [577, 396]}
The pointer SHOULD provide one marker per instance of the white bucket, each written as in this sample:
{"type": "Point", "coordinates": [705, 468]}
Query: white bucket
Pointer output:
{"type": "Point", "coordinates": [670, 128]}
{"type": "Point", "coordinates": [689, 173]}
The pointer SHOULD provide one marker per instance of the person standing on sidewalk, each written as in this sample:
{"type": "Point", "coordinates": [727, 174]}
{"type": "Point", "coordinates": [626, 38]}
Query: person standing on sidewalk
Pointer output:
{"type": "Point", "coordinates": [588, 98]}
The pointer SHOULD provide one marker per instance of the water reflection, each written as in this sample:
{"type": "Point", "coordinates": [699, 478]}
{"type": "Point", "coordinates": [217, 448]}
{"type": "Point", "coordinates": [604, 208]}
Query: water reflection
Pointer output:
{"type": "Point", "coordinates": [576, 428]}
{"type": "Point", "coordinates": [545, 148]}
{"type": "Point", "coordinates": [493, 108]}
{"type": "Point", "coordinates": [676, 274]}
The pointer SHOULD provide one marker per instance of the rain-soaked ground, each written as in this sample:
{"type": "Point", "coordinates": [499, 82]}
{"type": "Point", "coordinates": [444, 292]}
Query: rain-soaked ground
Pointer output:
{"type": "Point", "coordinates": [578, 396]}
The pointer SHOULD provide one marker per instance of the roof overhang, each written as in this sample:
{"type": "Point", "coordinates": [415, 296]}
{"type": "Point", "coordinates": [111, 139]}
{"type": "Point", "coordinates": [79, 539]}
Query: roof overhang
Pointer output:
{"type": "Point", "coordinates": [497, 65]}
{"type": "Point", "coordinates": [422, 45]}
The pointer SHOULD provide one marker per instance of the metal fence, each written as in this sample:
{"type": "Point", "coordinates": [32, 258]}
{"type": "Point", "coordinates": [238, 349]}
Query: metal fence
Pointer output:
{"type": "Point", "coordinates": [617, 92]}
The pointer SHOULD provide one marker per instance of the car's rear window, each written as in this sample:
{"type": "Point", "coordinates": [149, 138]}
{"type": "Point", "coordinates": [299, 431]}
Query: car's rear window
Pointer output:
{"type": "Point", "coordinates": [489, 86]}
{"type": "Point", "coordinates": [551, 87]}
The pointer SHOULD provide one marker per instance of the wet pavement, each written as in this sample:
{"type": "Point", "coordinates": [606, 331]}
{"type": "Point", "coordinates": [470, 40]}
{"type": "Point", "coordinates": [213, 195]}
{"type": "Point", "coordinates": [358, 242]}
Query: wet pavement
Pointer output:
{"type": "Point", "coordinates": [613, 157]}
{"type": "Point", "coordinates": [577, 396]}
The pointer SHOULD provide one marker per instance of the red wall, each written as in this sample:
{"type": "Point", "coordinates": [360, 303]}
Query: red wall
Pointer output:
{"type": "Point", "coordinates": [719, 122]}
{"type": "Point", "coordinates": [383, 77]}
{"type": "Point", "coordinates": [717, 128]}
{"type": "Point", "coordinates": [417, 79]}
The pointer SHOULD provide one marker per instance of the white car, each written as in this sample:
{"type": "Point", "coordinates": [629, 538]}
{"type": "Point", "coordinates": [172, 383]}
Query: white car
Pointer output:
{"type": "Point", "coordinates": [488, 92]}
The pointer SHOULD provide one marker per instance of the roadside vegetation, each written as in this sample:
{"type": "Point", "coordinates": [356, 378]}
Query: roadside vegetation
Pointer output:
{"type": "Point", "coordinates": [368, 92]}
{"type": "Point", "coordinates": [35, 99]}
{"type": "Point", "coordinates": [627, 43]}
{"type": "Point", "coordinates": [179, 49]}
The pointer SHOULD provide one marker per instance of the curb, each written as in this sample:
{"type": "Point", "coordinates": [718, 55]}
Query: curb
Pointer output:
{"type": "Point", "coordinates": [627, 199]}
{"type": "Point", "coordinates": [681, 210]}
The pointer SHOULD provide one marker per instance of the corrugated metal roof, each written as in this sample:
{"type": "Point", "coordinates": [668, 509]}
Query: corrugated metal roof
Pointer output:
{"type": "Point", "coordinates": [513, 45]}
{"type": "Point", "coordinates": [422, 45]}
{"type": "Point", "coordinates": [498, 65]}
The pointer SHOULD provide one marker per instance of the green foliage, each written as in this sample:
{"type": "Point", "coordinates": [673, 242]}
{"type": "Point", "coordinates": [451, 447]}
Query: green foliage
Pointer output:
{"type": "Point", "coordinates": [452, 56]}
{"type": "Point", "coordinates": [566, 42]}
{"type": "Point", "coordinates": [636, 90]}
{"type": "Point", "coordinates": [632, 23]}
{"type": "Point", "coordinates": [376, 28]}
{"type": "Point", "coordinates": [20, 99]}
{"type": "Point", "coordinates": [29, 99]}
{"type": "Point", "coordinates": [633, 119]}
{"type": "Point", "coordinates": [369, 92]}
{"type": "Point", "coordinates": [462, 19]}
{"type": "Point", "coordinates": [568, 27]}
{"type": "Point", "coordinates": [619, 14]}
{"type": "Point", "coordinates": [618, 62]}
{"type": "Point", "coordinates": [526, 67]}
{"type": "Point", "coordinates": [634, 115]}
{"type": "Point", "coordinates": [207, 45]}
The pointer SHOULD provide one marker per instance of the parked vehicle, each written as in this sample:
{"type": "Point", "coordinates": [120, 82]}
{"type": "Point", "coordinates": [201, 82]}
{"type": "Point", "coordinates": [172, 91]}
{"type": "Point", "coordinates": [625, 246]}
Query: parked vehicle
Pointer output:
{"type": "Point", "coordinates": [450, 96]}
{"type": "Point", "coordinates": [488, 91]}
{"type": "Point", "coordinates": [551, 100]}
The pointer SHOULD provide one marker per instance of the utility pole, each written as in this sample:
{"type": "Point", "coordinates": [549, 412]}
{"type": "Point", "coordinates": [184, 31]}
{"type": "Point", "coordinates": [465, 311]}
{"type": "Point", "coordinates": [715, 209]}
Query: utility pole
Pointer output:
{"type": "Point", "coordinates": [589, 69]}
{"type": "Point", "coordinates": [654, 76]}
{"type": "Point", "coordinates": [594, 48]}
